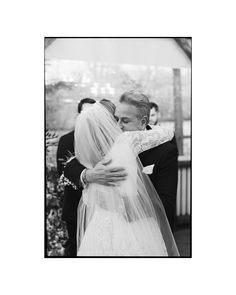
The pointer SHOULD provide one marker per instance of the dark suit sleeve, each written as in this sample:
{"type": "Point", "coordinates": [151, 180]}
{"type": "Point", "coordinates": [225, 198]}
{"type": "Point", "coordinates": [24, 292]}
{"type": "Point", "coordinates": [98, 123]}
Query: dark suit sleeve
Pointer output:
{"type": "Point", "coordinates": [166, 180]}
{"type": "Point", "coordinates": [72, 171]}
{"type": "Point", "coordinates": [61, 155]}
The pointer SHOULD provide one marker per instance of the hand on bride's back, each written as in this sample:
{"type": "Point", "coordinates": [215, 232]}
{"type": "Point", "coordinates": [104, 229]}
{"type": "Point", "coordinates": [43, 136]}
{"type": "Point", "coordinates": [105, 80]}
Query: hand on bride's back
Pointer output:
{"type": "Point", "coordinates": [103, 174]}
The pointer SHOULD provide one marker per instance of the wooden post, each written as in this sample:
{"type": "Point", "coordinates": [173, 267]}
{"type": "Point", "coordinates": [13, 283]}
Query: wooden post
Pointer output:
{"type": "Point", "coordinates": [178, 111]}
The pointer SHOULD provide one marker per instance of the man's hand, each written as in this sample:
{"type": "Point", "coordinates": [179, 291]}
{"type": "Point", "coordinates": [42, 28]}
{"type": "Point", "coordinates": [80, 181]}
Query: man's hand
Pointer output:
{"type": "Point", "coordinates": [104, 175]}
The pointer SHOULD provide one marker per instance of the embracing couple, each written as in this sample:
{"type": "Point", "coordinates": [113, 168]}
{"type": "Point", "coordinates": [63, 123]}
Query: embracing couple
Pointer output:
{"type": "Point", "coordinates": [120, 192]}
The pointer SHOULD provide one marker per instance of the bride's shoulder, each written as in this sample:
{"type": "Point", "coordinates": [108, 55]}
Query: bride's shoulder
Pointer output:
{"type": "Point", "coordinates": [123, 136]}
{"type": "Point", "coordinates": [126, 137]}
{"type": "Point", "coordinates": [130, 137]}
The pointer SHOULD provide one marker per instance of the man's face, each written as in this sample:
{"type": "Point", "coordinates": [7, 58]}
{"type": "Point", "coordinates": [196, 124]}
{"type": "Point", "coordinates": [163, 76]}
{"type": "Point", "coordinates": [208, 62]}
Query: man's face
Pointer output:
{"type": "Point", "coordinates": [154, 116]}
{"type": "Point", "coordinates": [128, 119]}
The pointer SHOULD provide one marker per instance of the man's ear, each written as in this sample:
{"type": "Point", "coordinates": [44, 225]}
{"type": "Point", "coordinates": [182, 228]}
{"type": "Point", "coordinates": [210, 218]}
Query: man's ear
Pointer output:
{"type": "Point", "coordinates": [144, 121]}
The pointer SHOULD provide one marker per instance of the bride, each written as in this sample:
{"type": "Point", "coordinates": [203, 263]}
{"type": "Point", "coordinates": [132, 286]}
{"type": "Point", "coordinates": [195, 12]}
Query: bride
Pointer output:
{"type": "Point", "coordinates": [129, 219]}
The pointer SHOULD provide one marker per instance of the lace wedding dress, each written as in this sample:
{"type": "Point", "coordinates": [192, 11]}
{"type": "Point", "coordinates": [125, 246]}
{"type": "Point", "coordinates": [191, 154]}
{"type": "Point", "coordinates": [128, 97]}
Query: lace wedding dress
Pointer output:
{"type": "Point", "coordinates": [127, 220]}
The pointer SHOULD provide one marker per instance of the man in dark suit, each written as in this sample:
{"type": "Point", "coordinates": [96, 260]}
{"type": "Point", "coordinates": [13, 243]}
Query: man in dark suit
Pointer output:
{"type": "Point", "coordinates": [133, 112]}
{"type": "Point", "coordinates": [71, 196]}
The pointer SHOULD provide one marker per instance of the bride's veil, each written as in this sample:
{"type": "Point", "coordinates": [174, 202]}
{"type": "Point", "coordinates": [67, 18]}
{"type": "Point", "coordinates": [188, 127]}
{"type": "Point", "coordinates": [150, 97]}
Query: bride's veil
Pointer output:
{"type": "Point", "coordinates": [136, 200]}
{"type": "Point", "coordinates": [95, 132]}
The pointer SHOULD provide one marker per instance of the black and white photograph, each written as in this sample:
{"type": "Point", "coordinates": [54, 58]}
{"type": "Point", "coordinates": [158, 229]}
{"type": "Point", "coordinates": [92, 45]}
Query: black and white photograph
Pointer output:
{"type": "Point", "coordinates": [118, 147]}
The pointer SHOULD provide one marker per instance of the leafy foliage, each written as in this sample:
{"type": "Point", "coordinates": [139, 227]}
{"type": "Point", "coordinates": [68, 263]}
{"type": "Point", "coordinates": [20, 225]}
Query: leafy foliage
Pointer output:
{"type": "Point", "coordinates": [56, 229]}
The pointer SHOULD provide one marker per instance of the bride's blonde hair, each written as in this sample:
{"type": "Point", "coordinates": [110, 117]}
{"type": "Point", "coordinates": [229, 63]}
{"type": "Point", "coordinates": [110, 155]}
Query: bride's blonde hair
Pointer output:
{"type": "Point", "coordinates": [108, 105]}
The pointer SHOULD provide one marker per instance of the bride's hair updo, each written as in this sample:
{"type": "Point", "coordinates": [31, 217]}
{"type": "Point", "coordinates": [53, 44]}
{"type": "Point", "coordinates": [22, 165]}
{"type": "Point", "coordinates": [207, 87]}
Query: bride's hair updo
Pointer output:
{"type": "Point", "coordinates": [95, 132]}
{"type": "Point", "coordinates": [108, 105]}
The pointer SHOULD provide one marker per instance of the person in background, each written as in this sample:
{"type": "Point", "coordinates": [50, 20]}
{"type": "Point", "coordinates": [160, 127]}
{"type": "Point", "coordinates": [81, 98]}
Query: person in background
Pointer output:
{"type": "Point", "coordinates": [71, 197]}
{"type": "Point", "coordinates": [154, 114]}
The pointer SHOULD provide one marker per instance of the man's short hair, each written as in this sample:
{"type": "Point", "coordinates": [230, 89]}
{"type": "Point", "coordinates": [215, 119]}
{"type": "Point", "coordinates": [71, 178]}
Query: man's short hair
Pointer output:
{"type": "Point", "coordinates": [83, 101]}
{"type": "Point", "coordinates": [137, 99]}
{"type": "Point", "coordinates": [155, 106]}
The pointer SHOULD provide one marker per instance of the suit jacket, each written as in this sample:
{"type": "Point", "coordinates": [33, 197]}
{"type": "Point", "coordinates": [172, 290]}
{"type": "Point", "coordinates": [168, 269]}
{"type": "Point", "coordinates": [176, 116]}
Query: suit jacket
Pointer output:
{"type": "Point", "coordinates": [165, 174]}
{"type": "Point", "coordinates": [71, 196]}
{"type": "Point", "coordinates": [164, 177]}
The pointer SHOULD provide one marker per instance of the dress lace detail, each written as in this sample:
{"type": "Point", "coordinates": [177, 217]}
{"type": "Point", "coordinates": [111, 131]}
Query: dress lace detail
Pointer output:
{"type": "Point", "coordinates": [141, 141]}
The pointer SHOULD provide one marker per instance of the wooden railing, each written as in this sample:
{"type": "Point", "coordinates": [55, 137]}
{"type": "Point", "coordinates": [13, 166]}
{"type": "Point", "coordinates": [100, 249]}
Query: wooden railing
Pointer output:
{"type": "Point", "coordinates": [183, 202]}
